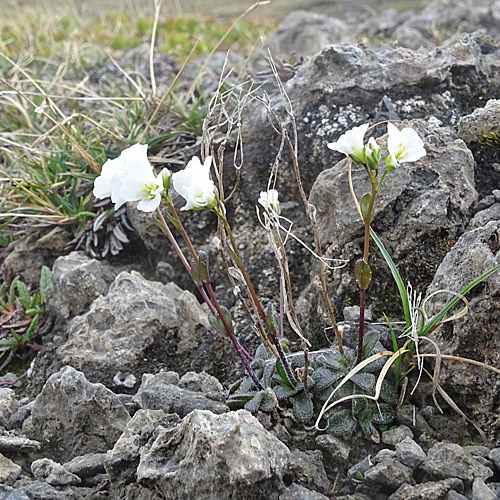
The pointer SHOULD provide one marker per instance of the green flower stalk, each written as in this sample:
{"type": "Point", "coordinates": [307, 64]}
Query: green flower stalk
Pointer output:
{"type": "Point", "coordinates": [403, 146]}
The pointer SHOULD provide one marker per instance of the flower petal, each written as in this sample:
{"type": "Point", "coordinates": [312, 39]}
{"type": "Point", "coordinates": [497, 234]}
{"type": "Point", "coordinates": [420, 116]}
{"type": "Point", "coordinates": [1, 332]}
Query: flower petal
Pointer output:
{"type": "Point", "coordinates": [136, 160]}
{"type": "Point", "coordinates": [132, 189]}
{"type": "Point", "coordinates": [149, 205]}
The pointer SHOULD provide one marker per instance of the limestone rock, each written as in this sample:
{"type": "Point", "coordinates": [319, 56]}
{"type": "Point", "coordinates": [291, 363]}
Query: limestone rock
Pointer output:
{"type": "Point", "coordinates": [9, 471]}
{"type": "Point", "coordinates": [8, 405]}
{"type": "Point", "coordinates": [307, 469]}
{"type": "Point", "coordinates": [155, 394]}
{"type": "Point", "coordinates": [72, 416]}
{"type": "Point", "coordinates": [447, 460]}
{"type": "Point", "coordinates": [474, 335]}
{"type": "Point", "coordinates": [482, 121]}
{"type": "Point", "coordinates": [138, 326]}
{"type": "Point", "coordinates": [121, 462]}
{"type": "Point", "coordinates": [390, 473]}
{"type": "Point", "coordinates": [426, 491]}
{"type": "Point", "coordinates": [77, 280]}
{"type": "Point", "coordinates": [409, 453]}
{"type": "Point", "coordinates": [54, 473]}
{"type": "Point", "coordinates": [481, 491]}
{"type": "Point", "coordinates": [297, 492]}
{"type": "Point", "coordinates": [215, 457]}
{"type": "Point", "coordinates": [396, 435]}
{"type": "Point", "coordinates": [8, 493]}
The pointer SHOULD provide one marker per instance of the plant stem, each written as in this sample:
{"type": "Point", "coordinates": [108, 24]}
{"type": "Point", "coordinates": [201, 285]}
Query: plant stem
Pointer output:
{"type": "Point", "coordinates": [242, 353]}
{"type": "Point", "coordinates": [166, 231]}
{"type": "Point", "coordinates": [238, 261]}
{"type": "Point", "coordinates": [182, 257]}
{"type": "Point", "coordinates": [366, 253]}
{"type": "Point", "coordinates": [362, 303]}
{"type": "Point", "coordinates": [181, 230]}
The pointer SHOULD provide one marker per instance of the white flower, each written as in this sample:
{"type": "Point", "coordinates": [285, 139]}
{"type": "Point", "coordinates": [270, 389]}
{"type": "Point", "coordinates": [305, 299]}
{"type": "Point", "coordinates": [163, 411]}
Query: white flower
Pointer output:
{"type": "Point", "coordinates": [130, 177]}
{"type": "Point", "coordinates": [269, 200]}
{"type": "Point", "coordinates": [145, 187]}
{"type": "Point", "coordinates": [195, 186]}
{"type": "Point", "coordinates": [351, 144]}
{"type": "Point", "coordinates": [403, 145]}
{"type": "Point", "coordinates": [112, 173]}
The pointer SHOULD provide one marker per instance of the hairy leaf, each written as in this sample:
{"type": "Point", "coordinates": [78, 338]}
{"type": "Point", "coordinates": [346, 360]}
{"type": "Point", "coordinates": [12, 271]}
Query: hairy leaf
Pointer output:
{"type": "Point", "coordinates": [383, 414]}
{"type": "Point", "coordinates": [341, 423]}
{"type": "Point", "coordinates": [324, 377]}
{"type": "Point", "coordinates": [303, 408]}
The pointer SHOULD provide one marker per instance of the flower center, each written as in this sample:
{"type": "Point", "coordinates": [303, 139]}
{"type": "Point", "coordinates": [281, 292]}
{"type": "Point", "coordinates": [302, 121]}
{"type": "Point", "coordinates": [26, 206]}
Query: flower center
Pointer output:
{"type": "Point", "coordinates": [401, 153]}
{"type": "Point", "coordinates": [149, 190]}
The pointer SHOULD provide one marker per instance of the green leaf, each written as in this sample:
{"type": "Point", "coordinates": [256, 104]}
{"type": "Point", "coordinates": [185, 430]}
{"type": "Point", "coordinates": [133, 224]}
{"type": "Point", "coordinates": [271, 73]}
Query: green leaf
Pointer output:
{"type": "Point", "coordinates": [369, 430]}
{"type": "Point", "coordinates": [365, 208]}
{"type": "Point", "coordinates": [11, 297]}
{"type": "Point", "coordinates": [284, 391]}
{"type": "Point", "coordinates": [216, 322]}
{"type": "Point", "coordinates": [303, 408]}
{"type": "Point", "coordinates": [332, 359]}
{"type": "Point", "coordinates": [253, 404]}
{"type": "Point", "coordinates": [323, 378]}
{"type": "Point", "coordinates": [359, 405]}
{"type": "Point", "coordinates": [341, 423]}
{"type": "Point", "coordinates": [33, 311]}
{"type": "Point", "coordinates": [369, 341]}
{"type": "Point", "coordinates": [269, 400]}
{"type": "Point", "coordinates": [382, 414]}
{"type": "Point", "coordinates": [23, 293]}
{"type": "Point", "coordinates": [31, 330]}
{"type": "Point", "coordinates": [362, 273]}
{"type": "Point", "coordinates": [238, 400]}
{"type": "Point", "coordinates": [397, 277]}
{"type": "Point", "coordinates": [268, 374]}
{"type": "Point", "coordinates": [261, 353]}
{"type": "Point", "coordinates": [25, 303]}
{"type": "Point", "coordinates": [280, 370]}
{"type": "Point", "coordinates": [366, 381]}
{"type": "Point", "coordinates": [388, 393]}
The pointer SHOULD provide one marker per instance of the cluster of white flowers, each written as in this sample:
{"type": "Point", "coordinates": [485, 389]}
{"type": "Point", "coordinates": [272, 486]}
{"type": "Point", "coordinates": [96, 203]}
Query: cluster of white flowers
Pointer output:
{"type": "Point", "coordinates": [403, 146]}
{"type": "Point", "coordinates": [131, 177]}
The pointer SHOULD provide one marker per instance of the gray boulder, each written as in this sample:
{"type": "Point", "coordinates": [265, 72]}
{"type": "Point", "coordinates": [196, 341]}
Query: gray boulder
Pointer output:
{"type": "Point", "coordinates": [77, 280]}
{"type": "Point", "coordinates": [214, 457]}
{"type": "Point", "coordinates": [481, 122]}
{"type": "Point", "coordinates": [138, 327]}
{"type": "Point", "coordinates": [8, 493]}
{"type": "Point", "coordinates": [304, 33]}
{"type": "Point", "coordinates": [475, 335]}
{"type": "Point", "coordinates": [72, 416]}
{"type": "Point", "coordinates": [53, 473]}
{"type": "Point", "coordinates": [9, 471]}
{"type": "Point", "coordinates": [121, 462]}
{"type": "Point", "coordinates": [390, 473]}
{"type": "Point", "coordinates": [156, 393]}
{"type": "Point", "coordinates": [447, 460]}
{"type": "Point", "coordinates": [432, 490]}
